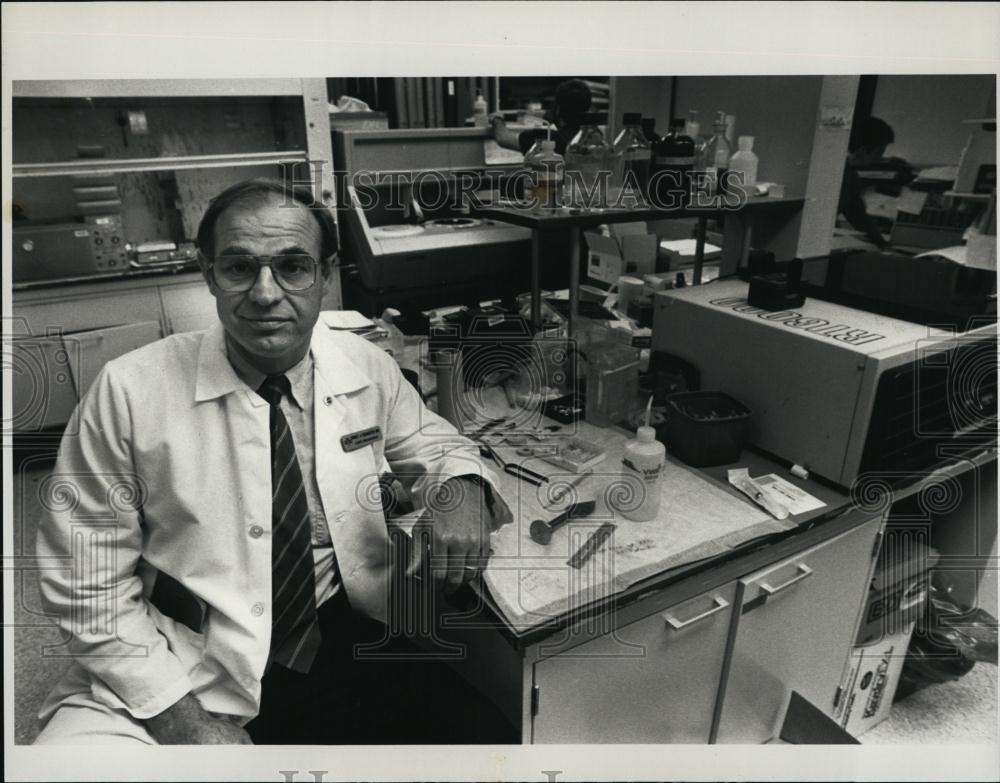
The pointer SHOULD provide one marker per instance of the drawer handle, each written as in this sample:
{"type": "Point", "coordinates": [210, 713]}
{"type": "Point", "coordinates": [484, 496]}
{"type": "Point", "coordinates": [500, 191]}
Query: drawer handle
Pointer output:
{"type": "Point", "coordinates": [804, 572]}
{"type": "Point", "coordinates": [673, 622]}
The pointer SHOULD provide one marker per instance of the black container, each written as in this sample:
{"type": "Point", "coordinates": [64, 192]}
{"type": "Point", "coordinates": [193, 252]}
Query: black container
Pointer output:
{"type": "Point", "coordinates": [705, 428]}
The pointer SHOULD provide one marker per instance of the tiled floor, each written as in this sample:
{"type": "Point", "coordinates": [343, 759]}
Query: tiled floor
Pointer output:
{"type": "Point", "coordinates": [964, 711]}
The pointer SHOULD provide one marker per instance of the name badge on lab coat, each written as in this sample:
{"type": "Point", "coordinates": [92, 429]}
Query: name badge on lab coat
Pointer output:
{"type": "Point", "coordinates": [360, 439]}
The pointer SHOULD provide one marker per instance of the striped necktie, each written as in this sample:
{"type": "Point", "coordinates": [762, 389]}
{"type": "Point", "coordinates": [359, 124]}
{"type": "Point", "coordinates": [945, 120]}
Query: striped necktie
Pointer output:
{"type": "Point", "coordinates": [295, 634]}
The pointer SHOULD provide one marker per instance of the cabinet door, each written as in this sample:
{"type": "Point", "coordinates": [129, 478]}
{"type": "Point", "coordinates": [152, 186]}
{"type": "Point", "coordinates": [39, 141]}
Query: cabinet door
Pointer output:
{"type": "Point", "coordinates": [188, 307]}
{"type": "Point", "coordinates": [79, 311]}
{"type": "Point", "coordinates": [653, 681]}
{"type": "Point", "coordinates": [794, 623]}
{"type": "Point", "coordinates": [99, 346]}
{"type": "Point", "coordinates": [42, 390]}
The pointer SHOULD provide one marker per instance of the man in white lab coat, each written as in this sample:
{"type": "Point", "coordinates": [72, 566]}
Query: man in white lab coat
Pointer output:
{"type": "Point", "coordinates": [214, 542]}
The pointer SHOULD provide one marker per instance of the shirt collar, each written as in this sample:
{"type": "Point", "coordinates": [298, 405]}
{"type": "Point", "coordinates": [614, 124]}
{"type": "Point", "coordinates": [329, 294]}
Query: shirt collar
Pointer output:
{"type": "Point", "coordinates": [299, 376]}
{"type": "Point", "coordinates": [216, 375]}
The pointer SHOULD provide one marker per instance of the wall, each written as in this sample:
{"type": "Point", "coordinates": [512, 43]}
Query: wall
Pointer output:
{"type": "Point", "coordinates": [648, 95]}
{"type": "Point", "coordinates": [778, 111]}
{"type": "Point", "coordinates": [927, 112]}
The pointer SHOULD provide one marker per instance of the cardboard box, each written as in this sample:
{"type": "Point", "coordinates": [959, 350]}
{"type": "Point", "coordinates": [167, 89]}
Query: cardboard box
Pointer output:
{"type": "Point", "coordinates": [871, 682]}
{"type": "Point", "coordinates": [630, 250]}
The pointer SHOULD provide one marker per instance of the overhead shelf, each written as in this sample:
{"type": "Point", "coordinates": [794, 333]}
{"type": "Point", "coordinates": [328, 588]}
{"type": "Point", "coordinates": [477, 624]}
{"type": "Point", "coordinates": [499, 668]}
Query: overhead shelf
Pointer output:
{"type": "Point", "coordinates": [95, 166]}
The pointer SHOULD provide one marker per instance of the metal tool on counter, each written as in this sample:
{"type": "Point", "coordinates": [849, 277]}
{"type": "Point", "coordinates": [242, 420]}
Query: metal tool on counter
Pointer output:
{"type": "Point", "coordinates": [591, 545]}
{"type": "Point", "coordinates": [491, 424]}
{"type": "Point", "coordinates": [541, 531]}
{"type": "Point", "coordinates": [518, 471]}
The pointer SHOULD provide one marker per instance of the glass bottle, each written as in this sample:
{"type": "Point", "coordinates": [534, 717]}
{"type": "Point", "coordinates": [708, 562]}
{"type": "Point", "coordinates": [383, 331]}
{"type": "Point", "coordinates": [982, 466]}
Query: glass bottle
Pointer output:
{"type": "Point", "coordinates": [717, 154]}
{"type": "Point", "coordinates": [546, 167]}
{"type": "Point", "coordinates": [634, 155]}
{"type": "Point", "coordinates": [673, 161]}
{"type": "Point", "coordinates": [587, 157]}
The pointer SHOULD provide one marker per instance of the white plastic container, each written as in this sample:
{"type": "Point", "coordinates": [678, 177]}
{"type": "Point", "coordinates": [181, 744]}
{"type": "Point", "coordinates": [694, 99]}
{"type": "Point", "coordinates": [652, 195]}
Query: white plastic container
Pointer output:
{"type": "Point", "coordinates": [643, 463]}
{"type": "Point", "coordinates": [479, 110]}
{"type": "Point", "coordinates": [745, 161]}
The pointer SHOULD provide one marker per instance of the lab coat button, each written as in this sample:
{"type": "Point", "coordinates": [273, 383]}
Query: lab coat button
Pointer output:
{"type": "Point", "coordinates": [256, 531]}
{"type": "Point", "coordinates": [257, 609]}
{"type": "Point", "coordinates": [328, 400]}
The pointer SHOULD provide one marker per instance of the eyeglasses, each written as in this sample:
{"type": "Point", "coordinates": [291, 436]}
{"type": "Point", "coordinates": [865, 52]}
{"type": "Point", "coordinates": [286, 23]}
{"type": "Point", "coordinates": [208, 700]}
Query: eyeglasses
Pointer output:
{"type": "Point", "coordinates": [293, 272]}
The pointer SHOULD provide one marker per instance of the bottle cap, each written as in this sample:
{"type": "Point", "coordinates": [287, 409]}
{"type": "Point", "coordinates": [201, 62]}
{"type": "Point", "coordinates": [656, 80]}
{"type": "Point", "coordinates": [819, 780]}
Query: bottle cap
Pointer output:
{"type": "Point", "coordinates": [631, 118]}
{"type": "Point", "coordinates": [548, 145]}
{"type": "Point", "coordinates": [645, 434]}
{"type": "Point", "coordinates": [745, 143]}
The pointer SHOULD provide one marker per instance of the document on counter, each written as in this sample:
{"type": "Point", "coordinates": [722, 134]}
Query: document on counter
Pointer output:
{"type": "Point", "coordinates": [531, 583]}
{"type": "Point", "coordinates": [795, 499]}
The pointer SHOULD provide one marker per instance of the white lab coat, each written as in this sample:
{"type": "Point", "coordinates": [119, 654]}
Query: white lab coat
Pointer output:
{"type": "Point", "coordinates": [165, 467]}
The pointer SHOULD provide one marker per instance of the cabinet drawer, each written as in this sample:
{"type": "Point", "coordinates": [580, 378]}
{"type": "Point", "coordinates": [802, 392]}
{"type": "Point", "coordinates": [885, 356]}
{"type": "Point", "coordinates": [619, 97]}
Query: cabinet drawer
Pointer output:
{"type": "Point", "coordinates": [653, 681]}
{"type": "Point", "coordinates": [794, 624]}
{"type": "Point", "coordinates": [85, 311]}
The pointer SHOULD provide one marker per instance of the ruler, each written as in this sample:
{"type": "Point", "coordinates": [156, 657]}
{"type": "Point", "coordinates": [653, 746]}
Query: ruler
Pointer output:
{"type": "Point", "coordinates": [591, 545]}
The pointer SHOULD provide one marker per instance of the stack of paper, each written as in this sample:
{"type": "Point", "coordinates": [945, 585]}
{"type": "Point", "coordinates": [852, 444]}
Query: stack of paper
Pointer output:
{"type": "Point", "coordinates": [352, 321]}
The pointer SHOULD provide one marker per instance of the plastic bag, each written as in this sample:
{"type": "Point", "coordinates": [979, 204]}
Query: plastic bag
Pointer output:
{"type": "Point", "coordinates": [948, 641]}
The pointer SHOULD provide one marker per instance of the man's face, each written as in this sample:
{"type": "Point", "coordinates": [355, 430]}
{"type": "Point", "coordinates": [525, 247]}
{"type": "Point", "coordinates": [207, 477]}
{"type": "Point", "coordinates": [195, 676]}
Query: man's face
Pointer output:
{"type": "Point", "coordinates": [269, 326]}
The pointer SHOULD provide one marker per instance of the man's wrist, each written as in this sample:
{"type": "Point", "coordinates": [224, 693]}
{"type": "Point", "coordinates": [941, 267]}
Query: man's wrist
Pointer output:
{"type": "Point", "coordinates": [484, 485]}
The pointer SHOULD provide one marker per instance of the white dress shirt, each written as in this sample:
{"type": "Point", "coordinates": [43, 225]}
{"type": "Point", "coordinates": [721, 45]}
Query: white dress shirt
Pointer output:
{"type": "Point", "coordinates": [298, 412]}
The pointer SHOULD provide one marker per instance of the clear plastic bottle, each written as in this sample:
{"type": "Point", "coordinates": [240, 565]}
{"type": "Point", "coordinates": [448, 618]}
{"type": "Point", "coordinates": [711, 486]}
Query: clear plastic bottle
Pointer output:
{"type": "Point", "coordinates": [587, 155]}
{"type": "Point", "coordinates": [673, 161]}
{"type": "Point", "coordinates": [479, 110]}
{"type": "Point", "coordinates": [717, 153]}
{"type": "Point", "coordinates": [635, 154]}
{"type": "Point", "coordinates": [745, 161]}
{"type": "Point", "coordinates": [546, 167]}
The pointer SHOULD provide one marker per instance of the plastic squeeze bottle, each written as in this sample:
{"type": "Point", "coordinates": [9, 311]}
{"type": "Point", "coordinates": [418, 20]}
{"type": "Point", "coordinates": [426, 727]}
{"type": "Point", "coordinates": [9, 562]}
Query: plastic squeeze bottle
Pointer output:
{"type": "Point", "coordinates": [644, 460]}
{"type": "Point", "coordinates": [745, 161]}
{"type": "Point", "coordinates": [479, 110]}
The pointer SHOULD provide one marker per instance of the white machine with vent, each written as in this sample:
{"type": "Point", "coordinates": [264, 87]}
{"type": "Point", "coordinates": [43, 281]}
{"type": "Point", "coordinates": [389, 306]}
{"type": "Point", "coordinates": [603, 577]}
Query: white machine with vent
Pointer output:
{"type": "Point", "coordinates": [837, 390]}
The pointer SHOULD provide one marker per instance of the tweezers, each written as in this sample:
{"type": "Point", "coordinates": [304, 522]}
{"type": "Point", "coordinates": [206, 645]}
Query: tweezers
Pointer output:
{"type": "Point", "coordinates": [517, 471]}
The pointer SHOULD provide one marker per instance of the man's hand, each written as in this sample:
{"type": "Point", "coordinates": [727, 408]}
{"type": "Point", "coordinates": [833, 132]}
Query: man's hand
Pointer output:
{"type": "Point", "coordinates": [464, 513]}
{"type": "Point", "coordinates": [188, 723]}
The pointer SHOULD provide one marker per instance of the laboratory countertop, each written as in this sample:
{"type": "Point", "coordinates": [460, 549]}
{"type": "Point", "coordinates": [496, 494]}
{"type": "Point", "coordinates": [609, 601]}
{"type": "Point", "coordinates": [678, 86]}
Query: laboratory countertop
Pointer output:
{"type": "Point", "coordinates": [693, 574]}
{"type": "Point", "coordinates": [567, 217]}
{"type": "Point", "coordinates": [129, 273]}
{"type": "Point", "coordinates": [687, 580]}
